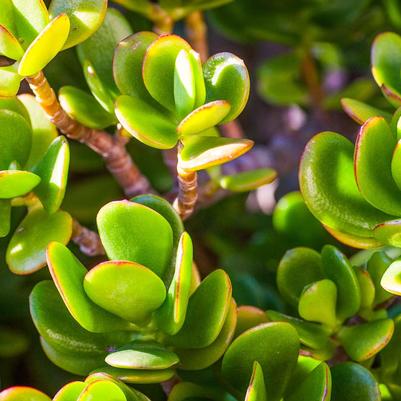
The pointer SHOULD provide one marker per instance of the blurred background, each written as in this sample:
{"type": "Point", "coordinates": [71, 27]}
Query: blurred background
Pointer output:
{"type": "Point", "coordinates": [303, 57]}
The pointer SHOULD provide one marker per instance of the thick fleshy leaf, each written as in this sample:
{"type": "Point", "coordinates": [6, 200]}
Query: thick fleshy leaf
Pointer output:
{"type": "Point", "coordinates": [145, 122]}
{"type": "Point", "coordinates": [363, 341]}
{"type": "Point", "coordinates": [256, 390]}
{"type": "Point", "coordinates": [201, 152]}
{"type": "Point", "coordinates": [183, 391]}
{"type": "Point", "coordinates": [298, 268]}
{"type": "Point", "coordinates": [361, 112]}
{"type": "Point", "coordinates": [337, 268]}
{"type": "Point", "coordinates": [5, 217]}
{"type": "Point", "coordinates": [386, 65]}
{"type": "Point", "coordinates": [45, 46]}
{"type": "Point", "coordinates": [134, 232]}
{"type": "Point", "coordinates": [366, 286]}
{"type": "Point", "coordinates": [248, 317]}
{"type": "Point", "coordinates": [317, 302]}
{"type": "Point", "coordinates": [353, 240]}
{"type": "Point", "coordinates": [15, 183]}
{"type": "Point", "coordinates": [138, 376]}
{"type": "Point", "coordinates": [84, 108]}
{"type": "Point", "coordinates": [26, 251]}
{"type": "Point", "coordinates": [85, 17]}
{"type": "Point", "coordinates": [68, 275]}
{"type": "Point", "coordinates": [227, 78]}
{"type": "Point", "coordinates": [396, 165]}
{"type": "Point", "coordinates": [43, 130]}
{"type": "Point", "coordinates": [30, 18]}
{"type": "Point", "coordinates": [362, 387]}
{"type": "Point", "coordinates": [70, 392]}
{"type": "Point", "coordinates": [96, 55]}
{"type": "Point", "coordinates": [315, 387]}
{"type": "Point", "coordinates": [391, 279]}
{"type": "Point", "coordinates": [9, 45]}
{"type": "Point", "coordinates": [142, 356]}
{"type": "Point", "coordinates": [22, 393]}
{"type": "Point", "coordinates": [206, 313]}
{"type": "Point", "coordinates": [327, 182]}
{"type": "Point", "coordinates": [274, 345]}
{"type": "Point", "coordinates": [377, 266]}
{"type": "Point", "coordinates": [196, 359]}
{"type": "Point", "coordinates": [126, 289]}
{"type": "Point", "coordinates": [53, 171]}
{"type": "Point", "coordinates": [373, 173]}
{"type": "Point", "coordinates": [15, 139]}
{"type": "Point", "coordinates": [248, 180]}
{"type": "Point", "coordinates": [171, 315]}
{"type": "Point", "coordinates": [104, 390]}
{"type": "Point", "coordinates": [9, 80]}
{"type": "Point", "coordinates": [14, 104]}
{"type": "Point", "coordinates": [159, 66]}
{"type": "Point", "coordinates": [127, 64]}
{"type": "Point", "coordinates": [58, 328]}
{"type": "Point", "coordinates": [203, 118]}
{"type": "Point", "coordinates": [389, 232]}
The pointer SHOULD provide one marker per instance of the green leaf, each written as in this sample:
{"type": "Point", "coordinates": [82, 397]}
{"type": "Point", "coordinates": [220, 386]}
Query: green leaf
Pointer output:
{"type": "Point", "coordinates": [5, 217]}
{"type": "Point", "coordinates": [43, 130]}
{"type": "Point", "coordinates": [317, 302]}
{"type": "Point", "coordinates": [337, 268]}
{"type": "Point", "coordinates": [142, 356]}
{"type": "Point", "coordinates": [45, 46]}
{"type": "Point", "coordinates": [22, 393]}
{"type": "Point", "coordinates": [386, 65]}
{"type": "Point", "coordinates": [15, 183]}
{"type": "Point", "coordinates": [367, 287]}
{"type": "Point", "coordinates": [58, 328]}
{"type": "Point", "coordinates": [354, 241]}
{"type": "Point", "coordinates": [133, 232]}
{"type": "Point", "coordinates": [248, 180]}
{"type": "Point", "coordinates": [328, 185]}
{"type": "Point", "coordinates": [9, 45]}
{"type": "Point", "coordinates": [102, 390]}
{"type": "Point", "coordinates": [377, 266]}
{"type": "Point", "coordinates": [298, 268]}
{"type": "Point", "coordinates": [145, 122]}
{"type": "Point", "coordinates": [362, 387]}
{"type": "Point", "coordinates": [171, 315]}
{"type": "Point", "coordinates": [126, 289]}
{"type": "Point", "coordinates": [206, 313]}
{"type": "Point", "coordinates": [389, 232]}
{"type": "Point", "coordinates": [227, 78]}
{"type": "Point", "coordinates": [184, 391]}
{"type": "Point", "coordinates": [201, 152]}
{"type": "Point", "coordinates": [256, 390]}
{"type": "Point", "coordinates": [138, 376]}
{"type": "Point", "coordinates": [315, 387]}
{"type": "Point", "coordinates": [159, 68]}
{"type": "Point", "coordinates": [9, 80]}
{"type": "Point", "coordinates": [391, 279]}
{"type": "Point", "coordinates": [70, 392]}
{"type": "Point", "coordinates": [15, 139]}
{"type": "Point", "coordinates": [373, 173]}
{"type": "Point", "coordinates": [275, 346]}
{"type": "Point", "coordinates": [201, 358]}
{"type": "Point", "coordinates": [85, 17]}
{"type": "Point", "coordinates": [361, 112]}
{"type": "Point", "coordinates": [68, 275]}
{"type": "Point", "coordinates": [84, 108]}
{"type": "Point", "coordinates": [203, 118]}
{"type": "Point", "coordinates": [127, 65]}
{"type": "Point", "coordinates": [14, 104]}
{"type": "Point", "coordinates": [53, 171]}
{"type": "Point", "coordinates": [26, 251]}
{"type": "Point", "coordinates": [30, 18]}
{"type": "Point", "coordinates": [363, 341]}
{"type": "Point", "coordinates": [396, 165]}
{"type": "Point", "coordinates": [248, 317]}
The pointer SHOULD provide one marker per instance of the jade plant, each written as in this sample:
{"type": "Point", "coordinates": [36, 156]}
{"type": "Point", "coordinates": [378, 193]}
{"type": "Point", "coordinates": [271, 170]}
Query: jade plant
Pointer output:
{"type": "Point", "coordinates": [354, 189]}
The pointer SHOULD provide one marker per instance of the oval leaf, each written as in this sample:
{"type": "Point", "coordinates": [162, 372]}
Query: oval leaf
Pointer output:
{"type": "Point", "coordinates": [248, 180]}
{"type": "Point", "coordinates": [15, 183]}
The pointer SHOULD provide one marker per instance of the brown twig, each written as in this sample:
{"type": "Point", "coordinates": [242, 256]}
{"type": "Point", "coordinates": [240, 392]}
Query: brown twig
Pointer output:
{"type": "Point", "coordinates": [232, 129]}
{"type": "Point", "coordinates": [88, 241]}
{"type": "Point", "coordinates": [111, 148]}
{"type": "Point", "coordinates": [196, 29]}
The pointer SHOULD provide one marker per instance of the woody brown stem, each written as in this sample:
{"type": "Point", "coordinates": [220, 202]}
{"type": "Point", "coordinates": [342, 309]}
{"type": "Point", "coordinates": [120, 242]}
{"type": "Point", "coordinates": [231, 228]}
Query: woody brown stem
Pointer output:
{"type": "Point", "coordinates": [185, 202]}
{"type": "Point", "coordinates": [88, 241]}
{"type": "Point", "coordinates": [163, 22]}
{"type": "Point", "coordinates": [197, 34]}
{"type": "Point", "coordinates": [111, 148]}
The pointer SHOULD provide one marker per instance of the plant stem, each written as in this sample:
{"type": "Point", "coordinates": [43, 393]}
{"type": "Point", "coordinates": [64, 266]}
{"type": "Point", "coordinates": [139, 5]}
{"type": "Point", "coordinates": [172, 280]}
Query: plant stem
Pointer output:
{"type": "Point", "coordinates": [111, 148]}
{"type": "Point", "coordinates": [88, 241]}
{"type": "Point", "coordinates": [185, 202]}
{"type": "Point", "coordinates": [163, 22]}
{"type": "Point", "coordinates": [197, 34]}
{"type": "Point", "coordinates": [232, 129]}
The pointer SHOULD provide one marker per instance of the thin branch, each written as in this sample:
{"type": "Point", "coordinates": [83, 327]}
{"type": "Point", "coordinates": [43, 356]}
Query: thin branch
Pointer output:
{"type": "Point", "coordinates": [111, 148]}
{"type": "Point", "coordinates": [163, 22]}
{"type": "Point", "coordinates": [185, 202]}
{"type": "Point", "coordinates": [88, 241]}
{"type": "Point", "coordinates": [196, 29]}
{"type": "Point", "coordinates": [232, 129]}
